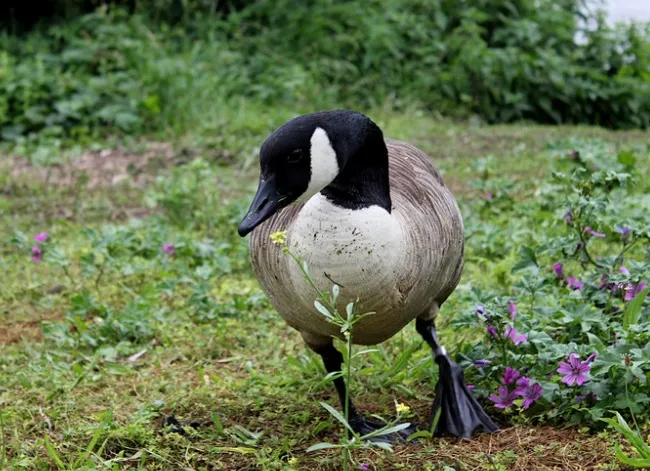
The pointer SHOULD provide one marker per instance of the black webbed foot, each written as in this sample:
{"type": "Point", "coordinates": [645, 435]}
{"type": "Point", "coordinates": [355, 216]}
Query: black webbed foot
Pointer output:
{"type": "Point", "coordinates": [364, 426]}
{"type": "Point", "coordinates": [460, 412]}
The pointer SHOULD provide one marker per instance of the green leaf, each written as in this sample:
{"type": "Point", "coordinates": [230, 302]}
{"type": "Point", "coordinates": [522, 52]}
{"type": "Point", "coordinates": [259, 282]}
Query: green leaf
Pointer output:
{"type": "Point", "coordinates": [106, 419]}
{"type": "Point", "coordinates": [635, 462]}
{"type": "Point", "coordinates": [337, 415]}
{"type": "Point", "coordinates": [53, 454]}
{"type": "Point", "coordinates": [321, 446]}
{"type": "Point", "coordinates": [528, 259]}
{"type": "Point", "coordinates": [386, 431]}
{"type": "Point", "coordinates": [383, 445]}
{"type": "Point", "coordinates": [323, 310]}
{"type": "Point", "coordinates": [595, 342]}
{"type": "Point", "coordinates": [626, 158]}
{"type": "Point", "coordinates": [233, 449]}
{"type": "Point", "coordinates": [633, 312]}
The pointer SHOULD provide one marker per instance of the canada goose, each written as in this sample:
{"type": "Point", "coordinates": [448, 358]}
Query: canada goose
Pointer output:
{"type": "Point", "coordinates": [374, 217]}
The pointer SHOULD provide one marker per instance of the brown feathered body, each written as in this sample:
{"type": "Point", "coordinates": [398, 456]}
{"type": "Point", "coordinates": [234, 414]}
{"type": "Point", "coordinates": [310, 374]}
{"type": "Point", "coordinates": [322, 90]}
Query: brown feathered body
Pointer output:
{"type": "Point", "coordinates": [399, 265]}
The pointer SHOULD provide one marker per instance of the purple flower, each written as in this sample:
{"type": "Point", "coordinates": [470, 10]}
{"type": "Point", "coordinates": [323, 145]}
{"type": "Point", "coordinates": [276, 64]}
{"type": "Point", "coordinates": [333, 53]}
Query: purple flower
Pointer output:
{"type": "Point", "coordinates": [575, 371]}
{"type": "Point", "coordinates": [590, 231]}
{"type": "Point", "coordinates": [515, 336]}
{"type": "Point", "coordinates": [504, 399]}
{"type": "Point", "coordinates": [489, 195]}
{"type": "Point", "coordinates": [37, 254]}
{"type": "Point", "coordinates": [604, 284]}
{"type": "Point", "coordinates": [522, 385]}
{"type": "Point", "coordinates": [364, 467]}
{"type": "Point", "coordinates": [510, 375]}
{"type": "Point", "coordinates": [480, 309]}
{"type": "Point", "coordinates": [492, 331]}
{"type": "Point", "coordinates": [559, 272]}
{"type": "Point", "coordinates": [624, 231]}
{"type": "Point", "coordinates": [169, 249]}
{"type": "Point", "coordinates": [624, 270]}
{"type": "Point", "coordinates": [471, 387]}
{"type": "Point", "coordinates": [531, 394]}
{"type": "Point", "coordinates": [631, 290]}
{"type": "Point", "coordinates": [567, 217]}
{"type": "Point", "coordinates": [512, 309]}
{"type": "Point", "coordinates": [481, 363]}
{"type": "Point", "coordinates": [40, 237]}
{"type": "Point", "coordinates": [591, 357]}
{"type": "Point", "coordinates": [574, 283]}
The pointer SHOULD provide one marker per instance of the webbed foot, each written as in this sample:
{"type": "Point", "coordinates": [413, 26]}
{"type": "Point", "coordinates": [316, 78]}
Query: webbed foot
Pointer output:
{"type": "Point", "coordinates": [460, 412]}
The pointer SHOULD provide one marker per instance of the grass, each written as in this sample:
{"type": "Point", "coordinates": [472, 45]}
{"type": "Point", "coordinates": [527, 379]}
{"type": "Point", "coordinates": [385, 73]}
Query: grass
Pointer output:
{"type": "Point", "coordinates": [96, 356]}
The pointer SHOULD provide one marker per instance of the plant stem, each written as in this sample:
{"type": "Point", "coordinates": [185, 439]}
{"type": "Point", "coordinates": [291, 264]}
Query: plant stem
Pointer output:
{"type": "Point", "coordinates": [584, 248]}
{"type": "Point", "coordinates": [67, 273]}
{"type": "Point", "coordinates": [3, 455]}
{"type": "Point", "coordinates": [348, 376]}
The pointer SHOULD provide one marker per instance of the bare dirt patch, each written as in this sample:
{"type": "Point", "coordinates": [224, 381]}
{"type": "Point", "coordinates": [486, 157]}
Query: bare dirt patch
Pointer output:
{"type": "Point", "coordinates": [100, 168]}
{"type": "Point", "coordinates": [28, 330]}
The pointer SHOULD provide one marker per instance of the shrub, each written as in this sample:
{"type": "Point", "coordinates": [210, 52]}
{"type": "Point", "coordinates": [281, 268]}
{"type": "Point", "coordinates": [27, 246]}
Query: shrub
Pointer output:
{"type": "Point", "coordinates": [568, 337]}
{"type": "Point", "coordinates": [114, 72]}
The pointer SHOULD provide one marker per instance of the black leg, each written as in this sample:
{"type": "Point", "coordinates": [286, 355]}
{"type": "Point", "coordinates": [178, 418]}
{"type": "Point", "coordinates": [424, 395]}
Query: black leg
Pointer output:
{"type": "Point", "coordinates": [333, 360]}
{"type": "Point", "coordinates": [460, 412]}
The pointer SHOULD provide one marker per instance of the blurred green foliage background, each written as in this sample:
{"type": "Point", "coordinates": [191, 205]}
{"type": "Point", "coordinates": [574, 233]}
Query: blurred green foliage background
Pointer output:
{"type": "Point", "coordinates": [83, 69]}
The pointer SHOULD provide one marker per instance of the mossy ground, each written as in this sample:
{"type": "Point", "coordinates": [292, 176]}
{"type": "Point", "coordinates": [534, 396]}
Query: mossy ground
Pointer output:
{"type": "Point", "coordinates": [211, 350]}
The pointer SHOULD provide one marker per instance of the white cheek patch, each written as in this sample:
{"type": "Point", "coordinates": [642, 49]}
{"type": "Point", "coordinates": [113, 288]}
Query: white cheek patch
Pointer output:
{"type": "Point", "coordinates": [324, 166]}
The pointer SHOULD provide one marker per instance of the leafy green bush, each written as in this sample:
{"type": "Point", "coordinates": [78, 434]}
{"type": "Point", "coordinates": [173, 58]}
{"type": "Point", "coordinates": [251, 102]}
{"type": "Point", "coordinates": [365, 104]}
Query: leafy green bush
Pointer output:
{"type": "Point", "coordinates": [569, 337]}
{"type": "Point", "coordinates": [111, 72]}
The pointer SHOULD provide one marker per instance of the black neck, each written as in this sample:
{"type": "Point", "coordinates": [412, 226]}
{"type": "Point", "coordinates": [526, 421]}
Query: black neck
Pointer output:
{"type": "Point", "coordinates": [363, 180]}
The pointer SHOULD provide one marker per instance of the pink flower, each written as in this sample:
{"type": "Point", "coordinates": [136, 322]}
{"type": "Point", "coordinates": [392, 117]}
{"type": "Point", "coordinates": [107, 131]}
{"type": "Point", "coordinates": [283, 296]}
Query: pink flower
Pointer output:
{"type": "Point", "coordinates": [531, 394]}
{"type": "Point", "coordinates": [37, 254]}
{"type": "Point", "coordinates": [471, 387]}
{"type": "Point", "coordinates": [522, 385]}
{"type": "Point", "coordinates": [631, 290]}
{"type": "Point", "coordinates": [624, 231]}
{"type": "Point", "coordinates": [515, 336]}
{"type": "Point", "coordinates": [575, 371]}
{"type": "Point", "coordinates": [574, 283]}
{"type": "Point", "coordinates": [559, 272]}
{"type": "Point", "coordinates": [40, 237]}
{"type": "Point", "coordinates": [510, 375]}
{"type": "Point", "coordinates": [590, 231]}
{"type": "Point", "coordinates": [624, 270]}
{"type": "Point", "coordinates": [512, 309]}
{"type": "Point", "coordinates": [504, 399]}
{"type": "Point", "coordinates": [364, 467]}
{"type": "Point", "coordinates": [169, 249]}
{"type": "Point", "coordinates": [489, 195]}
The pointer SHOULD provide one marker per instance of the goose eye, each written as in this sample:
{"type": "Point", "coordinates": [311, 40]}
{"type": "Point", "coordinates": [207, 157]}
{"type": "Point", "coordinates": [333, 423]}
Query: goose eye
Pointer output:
{"type": "Point", "coordinates": [295, 156]}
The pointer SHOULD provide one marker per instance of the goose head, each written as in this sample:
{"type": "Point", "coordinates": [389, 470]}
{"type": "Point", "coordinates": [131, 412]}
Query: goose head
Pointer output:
{"type": "Point", "coordinates": [341, 154]}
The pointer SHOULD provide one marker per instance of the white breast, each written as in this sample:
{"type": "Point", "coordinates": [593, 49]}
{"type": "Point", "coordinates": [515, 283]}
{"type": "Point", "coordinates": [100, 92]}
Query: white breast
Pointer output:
{"type": "Point", "coordinates": [359, 250]}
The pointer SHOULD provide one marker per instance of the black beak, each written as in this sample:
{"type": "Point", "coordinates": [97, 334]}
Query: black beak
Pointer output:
{"type": "Point", "coordinates": [264, 205]}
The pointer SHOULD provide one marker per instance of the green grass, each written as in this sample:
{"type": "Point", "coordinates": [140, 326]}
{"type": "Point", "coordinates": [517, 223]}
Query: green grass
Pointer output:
{"type": "Point", "coordinates": [95, 356]}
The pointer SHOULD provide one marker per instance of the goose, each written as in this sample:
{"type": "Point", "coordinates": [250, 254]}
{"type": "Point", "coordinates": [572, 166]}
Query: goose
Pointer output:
{"type": "Point", "coordinates": [374, 217]}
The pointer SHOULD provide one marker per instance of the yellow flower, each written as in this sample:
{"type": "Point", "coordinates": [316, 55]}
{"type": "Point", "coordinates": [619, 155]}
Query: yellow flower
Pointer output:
{"type": "Point", "coordinates": [402, 408]}
{"type": "Point", "coordinates": [293, 461]}
{"type": "Point", "coordinates": [279, 237]}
